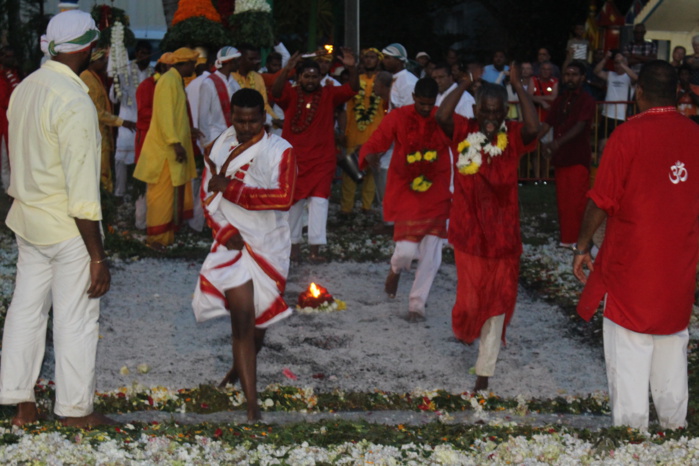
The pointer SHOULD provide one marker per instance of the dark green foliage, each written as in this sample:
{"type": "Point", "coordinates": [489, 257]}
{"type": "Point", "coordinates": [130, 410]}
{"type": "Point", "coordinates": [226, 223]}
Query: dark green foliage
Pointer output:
{"type": "Point", "coordinates": [194, 32]}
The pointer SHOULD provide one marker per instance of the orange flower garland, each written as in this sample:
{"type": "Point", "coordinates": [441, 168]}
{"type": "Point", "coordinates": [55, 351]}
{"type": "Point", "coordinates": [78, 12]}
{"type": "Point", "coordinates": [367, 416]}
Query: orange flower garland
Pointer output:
{"type": "Point", "coordinates": [193, 8]}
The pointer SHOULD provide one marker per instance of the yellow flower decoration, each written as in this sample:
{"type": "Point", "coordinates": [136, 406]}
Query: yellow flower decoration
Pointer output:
{"type": "Point", "coordinates": [430, 156]}
{"type": "Point", "coordinates": [463, 145]}
{"type": "Point", "coordinates": [420, 184]}
{"type": "Point", "coordinates": [414, 157]}
{"type": "Point", "coordinates": [502, 141]}
{"type": "Point", "coordinates": [470, 169]}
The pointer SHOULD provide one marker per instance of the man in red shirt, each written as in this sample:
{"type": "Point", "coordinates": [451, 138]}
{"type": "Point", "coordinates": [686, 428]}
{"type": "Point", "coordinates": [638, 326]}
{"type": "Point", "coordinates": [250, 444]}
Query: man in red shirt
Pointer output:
{"type": "Point", "coordinates": [417, 195]}
{"type": "Point", "coordinates": [484, 220]}
{"type": "Point", "coordinates": [647, 187]}
{"type": "Point", "coordinates": [309, 126]}
{"type": "Point", "coordinates": [571, 117]}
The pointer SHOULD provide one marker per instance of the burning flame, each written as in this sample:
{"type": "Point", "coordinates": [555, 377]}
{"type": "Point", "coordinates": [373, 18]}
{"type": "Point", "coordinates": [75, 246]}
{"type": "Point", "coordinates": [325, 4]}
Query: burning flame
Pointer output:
{"type": "Point", "coordinates": [328, 48]}
{"type": "Point", "coordinates": [315, 292]}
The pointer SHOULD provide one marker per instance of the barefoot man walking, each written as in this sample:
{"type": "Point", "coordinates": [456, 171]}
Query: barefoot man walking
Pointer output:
{"type": "Point", "coordinates": [247, 190]}
{"type": "Point", "coordinates": [55, 182]}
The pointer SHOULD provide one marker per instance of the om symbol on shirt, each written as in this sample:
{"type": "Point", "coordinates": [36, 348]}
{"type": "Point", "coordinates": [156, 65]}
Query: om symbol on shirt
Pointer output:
{"type": "Point", "coordinates": [678, 173]}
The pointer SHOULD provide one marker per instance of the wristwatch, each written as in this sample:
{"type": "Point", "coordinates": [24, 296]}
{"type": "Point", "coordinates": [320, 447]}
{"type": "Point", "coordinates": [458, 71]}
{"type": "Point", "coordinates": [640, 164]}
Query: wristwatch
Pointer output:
{"type": "Point", "coordinates": [580, 252]}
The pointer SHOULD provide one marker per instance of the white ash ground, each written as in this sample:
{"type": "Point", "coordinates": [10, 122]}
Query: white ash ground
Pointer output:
{"type": "Point", "coordinates": [147, 319]}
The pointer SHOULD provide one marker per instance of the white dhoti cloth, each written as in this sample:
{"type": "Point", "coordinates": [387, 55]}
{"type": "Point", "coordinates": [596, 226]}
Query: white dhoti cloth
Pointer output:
{"type": "Point", "coordinates": [636, 361]}
{"type": "Point", "coordinates": [428, 253]}
{"type": "Point", "coordinates": [58, 273]}
{"type": "Point", "coordinates": [489, 346]}
{"type": "Point", "coordinates": [265, 257]}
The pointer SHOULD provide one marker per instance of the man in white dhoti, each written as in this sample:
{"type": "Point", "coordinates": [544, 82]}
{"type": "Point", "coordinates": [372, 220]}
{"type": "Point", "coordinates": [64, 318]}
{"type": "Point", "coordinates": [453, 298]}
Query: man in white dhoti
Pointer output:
{"type": "Point", "coordinates": [247, 189]}
{"type": "Point", "coordinates": [55, 183]}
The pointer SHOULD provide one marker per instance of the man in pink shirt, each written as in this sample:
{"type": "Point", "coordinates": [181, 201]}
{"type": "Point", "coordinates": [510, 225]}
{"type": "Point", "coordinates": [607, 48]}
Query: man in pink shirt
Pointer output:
{"type": "Point", "coordinates": [647, 188]}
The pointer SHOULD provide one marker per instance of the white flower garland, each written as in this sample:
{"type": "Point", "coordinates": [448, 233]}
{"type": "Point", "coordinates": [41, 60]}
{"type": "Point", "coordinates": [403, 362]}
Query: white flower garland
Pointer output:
{"type": "Point", "coordinates": [118, 64]}
{"type": "Point", "coordinates": [241, 6]}
{"type": "Point", "coordinates": [472, 148]}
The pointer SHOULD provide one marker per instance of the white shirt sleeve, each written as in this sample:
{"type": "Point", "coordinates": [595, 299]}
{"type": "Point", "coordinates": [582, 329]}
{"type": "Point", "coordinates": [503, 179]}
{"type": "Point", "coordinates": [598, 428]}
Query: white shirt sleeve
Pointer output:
{"type": "Point", "coordinates": [207, 99]}
{"type": "Point", "coordinates": [281, 49]}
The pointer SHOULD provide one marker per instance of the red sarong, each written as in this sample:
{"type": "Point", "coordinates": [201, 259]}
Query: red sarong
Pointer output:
{"type": "Point", "coordinates": [572, 184]}
{"type": "Point", "coordinates": [486, 287]}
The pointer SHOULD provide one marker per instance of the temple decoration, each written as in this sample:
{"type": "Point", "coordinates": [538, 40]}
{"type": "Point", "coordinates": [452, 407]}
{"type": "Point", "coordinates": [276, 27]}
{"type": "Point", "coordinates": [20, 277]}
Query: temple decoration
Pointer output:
{"type": "Point", "coordinates": [252, 23]}
{"type": "Point", "coordinates": [196, 23]}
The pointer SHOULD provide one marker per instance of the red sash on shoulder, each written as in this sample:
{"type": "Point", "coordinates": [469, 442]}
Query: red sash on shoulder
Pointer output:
{"type": "Point", "coordinates": [222, 91]}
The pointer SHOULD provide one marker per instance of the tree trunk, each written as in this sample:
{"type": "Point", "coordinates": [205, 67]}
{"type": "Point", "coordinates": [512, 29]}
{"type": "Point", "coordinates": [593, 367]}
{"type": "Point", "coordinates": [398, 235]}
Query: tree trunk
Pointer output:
{"type": "Point", "coordinates": [169, 8]}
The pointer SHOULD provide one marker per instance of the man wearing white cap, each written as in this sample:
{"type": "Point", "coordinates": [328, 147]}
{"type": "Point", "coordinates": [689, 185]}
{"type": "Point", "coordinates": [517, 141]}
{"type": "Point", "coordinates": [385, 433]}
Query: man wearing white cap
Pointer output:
{"type": "Point", "coordinates": [56, 213]}
{"type": "Point", "coordinates": [215, 95]}
{"type": "Point", "coordinates": [394, 59]}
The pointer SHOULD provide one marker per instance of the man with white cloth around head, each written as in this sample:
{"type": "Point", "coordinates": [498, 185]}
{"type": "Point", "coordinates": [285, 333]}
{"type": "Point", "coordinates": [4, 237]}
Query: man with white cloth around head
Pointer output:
{"type": "Point", "coordinates": [247, 189]}
{"type": "Point", "coordinates": [215, 96]}
{"type": "Point", "coordinates": [55, 183]}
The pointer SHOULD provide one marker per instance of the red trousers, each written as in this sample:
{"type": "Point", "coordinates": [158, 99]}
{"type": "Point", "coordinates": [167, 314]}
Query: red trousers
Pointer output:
{"type": "Point", "coordinates": [572, 184]}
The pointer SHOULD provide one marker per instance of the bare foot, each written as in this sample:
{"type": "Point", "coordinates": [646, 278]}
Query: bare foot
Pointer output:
{"type": "Point", "coordinates": [315, 257]}
{"type": "Point", "coordinates": [91, 420]}
{"type": "Point", "coordinates": [26, 414]}
{"type": "Point", "coordinates": [254, 413]}
{"type": "Point", "coordinates": [391, 285]}
{"type": "Point", "coordinates": [159, 247]}
{"type": "Point", "coordinates": [230, 378]}
{"type": "Point", "coordinates": [481, 383]}
{"type": "Point", "coordinates": [414, 317]}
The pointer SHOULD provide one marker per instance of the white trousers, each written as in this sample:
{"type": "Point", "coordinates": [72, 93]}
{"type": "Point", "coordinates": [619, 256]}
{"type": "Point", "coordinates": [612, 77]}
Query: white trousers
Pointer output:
{"type": "Point", "coordinates": [317, 220]}
{"type": "Point", "coordinates": [489, 345]}
{"type": "Point", "coordinates": [428, 253]}
{"type": "Point", "coordinates": [120, 176]}
{"type": "Point", "coordinates": [58, 273]}
{"type": "Point", "coordinates": [637, 360]}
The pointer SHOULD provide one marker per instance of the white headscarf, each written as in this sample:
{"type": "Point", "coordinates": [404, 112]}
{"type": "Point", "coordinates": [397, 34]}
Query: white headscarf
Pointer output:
{"type": "Point", "coordinates": [225, 54]}
{"type": "Point", "coordinates": [68, 32]}
{"type": "Point", "coordinates": [396, 50]}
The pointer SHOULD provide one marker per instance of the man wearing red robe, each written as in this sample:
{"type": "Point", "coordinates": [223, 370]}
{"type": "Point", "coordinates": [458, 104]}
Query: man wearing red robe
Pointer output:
{"type": "Point", "coordinates": [484, 221]}
{"type": "Point", "coordinates": [309, 120]}
{"type": "Point", "coordinates": [571, 117]}
{"type": "Point", "coordinates": [647, 188]}
{"type": "Point", "coordinates": [417, 195]}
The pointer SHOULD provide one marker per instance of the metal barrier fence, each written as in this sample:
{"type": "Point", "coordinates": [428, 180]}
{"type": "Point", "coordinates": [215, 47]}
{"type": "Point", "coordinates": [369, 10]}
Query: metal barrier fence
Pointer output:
{"type": "Point", "coordinates": [534, 166]}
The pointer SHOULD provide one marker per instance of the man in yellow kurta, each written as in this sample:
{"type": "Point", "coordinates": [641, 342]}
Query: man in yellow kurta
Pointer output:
{"type": "Point", "coordinates": [364, 113]}
{"type": "Point", "coordinates": [248, 78]}
{"type": "Point", "coordinates": [92, 76]}
{"type": "Point", "coordinates": [167, 159]}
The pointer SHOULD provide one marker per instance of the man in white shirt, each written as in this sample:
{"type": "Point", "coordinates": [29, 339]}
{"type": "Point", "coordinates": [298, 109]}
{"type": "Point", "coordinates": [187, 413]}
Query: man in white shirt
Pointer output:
{"type": "Point", "coordinates": [394, 58]}
{"type": "Point", "coordinates": [125, 95]}
{"type": "Point", "coordinates": [194, 87]}
{"type": "Point", "coordinates": [55, 153]}
{"type": "Point", "coordinates": [619, 82]}
{"type": "Point", "coordinates": [445, 84]}
{"type": "Point", "coordinates": [215, 95]}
